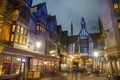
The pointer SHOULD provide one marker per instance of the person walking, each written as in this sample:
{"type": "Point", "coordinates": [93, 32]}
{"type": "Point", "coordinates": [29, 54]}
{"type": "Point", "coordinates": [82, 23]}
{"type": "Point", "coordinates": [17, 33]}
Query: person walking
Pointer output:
{"type": "Point", "coordinates": [75, 72]}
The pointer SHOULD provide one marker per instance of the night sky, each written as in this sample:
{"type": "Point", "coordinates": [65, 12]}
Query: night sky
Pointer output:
{"type": "Point", "coordinates": [68, 11]}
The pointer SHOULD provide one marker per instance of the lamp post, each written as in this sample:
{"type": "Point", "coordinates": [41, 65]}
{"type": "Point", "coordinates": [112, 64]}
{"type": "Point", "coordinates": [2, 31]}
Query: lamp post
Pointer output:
{"type": "Point", "coordinates": [96, 54]}
{"type": "Point", "coordinates": [38, 44]}
{"type": "Point", "coordinates": [45, 63]}
{"type": "Point", "coordinates": [96, 60]}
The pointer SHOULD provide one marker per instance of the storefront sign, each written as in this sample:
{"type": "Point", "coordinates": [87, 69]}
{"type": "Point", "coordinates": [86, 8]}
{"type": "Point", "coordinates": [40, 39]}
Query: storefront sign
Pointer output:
{"type": "Point", "coordinates": [15, 15]}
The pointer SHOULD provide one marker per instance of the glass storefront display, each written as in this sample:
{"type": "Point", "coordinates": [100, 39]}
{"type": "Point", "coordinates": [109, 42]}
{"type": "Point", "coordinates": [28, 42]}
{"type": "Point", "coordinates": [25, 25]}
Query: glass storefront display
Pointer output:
{"type": "Point", "coordinates": [36, 64]}
{"type": "Point", "coordinates": [10, 65]}
{"type": "Point", "coordinates": [16, 65]}
{"type": "Point", "coordinates": [35, 68]}
{"type": "Point", "coordinates": [40, 63]}
{"type": "Point", "coordinates": [5, 64]}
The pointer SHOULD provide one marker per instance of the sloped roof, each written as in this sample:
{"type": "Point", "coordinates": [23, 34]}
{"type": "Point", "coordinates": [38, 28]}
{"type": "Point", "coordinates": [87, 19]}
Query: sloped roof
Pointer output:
{"type": "Point", "coordinates": [95, 36]}
{"type": "Point", "coordinates": [72, 39]}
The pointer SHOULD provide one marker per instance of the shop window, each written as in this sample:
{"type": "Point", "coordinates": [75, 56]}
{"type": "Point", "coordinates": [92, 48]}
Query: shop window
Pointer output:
{"type": "Point", "coordinates": [12, 37]}
{"type": "Point", "coordinates": [22, 29]}
{"type": "Point", "coordinates": [16, 65]}
{"type": "Point", "coordinates": [40, 63]}
{"type": "Point", "coordinates": [16, 38]}
{"type": "Point", "coordinates": [37, 28]}
{"type": "Point", "coordinates": [35, 64]}
{"type": "Point", "coordinates": [40, 28]}
{"type": "Point", "coordinates": [13, 28]}
{"type": "Point", "coordinates": [18, 28]}
{"type": "Point", "coordinates": [116, 4]}
{"type": "Point", "coordinates": [5, 65]}
{"type": "Point", "coordinates": [21, 39]}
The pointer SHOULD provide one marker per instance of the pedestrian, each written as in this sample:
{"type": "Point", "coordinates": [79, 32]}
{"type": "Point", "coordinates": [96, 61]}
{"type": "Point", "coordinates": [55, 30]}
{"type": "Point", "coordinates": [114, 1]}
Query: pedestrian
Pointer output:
{"type": "Point", "coordinates": [75, 72]}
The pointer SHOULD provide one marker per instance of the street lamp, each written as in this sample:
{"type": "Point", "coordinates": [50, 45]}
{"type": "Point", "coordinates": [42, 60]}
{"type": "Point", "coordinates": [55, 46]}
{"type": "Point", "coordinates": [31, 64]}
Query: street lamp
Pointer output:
{"type": "Point", "coordinates": [38, 44]}
{"type": "Point", "coordinates": [96, 60]}
{"type": "Point", "coordinates": [96, 54]}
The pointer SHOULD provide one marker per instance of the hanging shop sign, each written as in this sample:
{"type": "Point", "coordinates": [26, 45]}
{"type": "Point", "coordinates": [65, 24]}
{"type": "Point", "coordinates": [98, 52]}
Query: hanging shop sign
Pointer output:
{"type": "Point", "coordinates": [1, 48]}
{"type": "Point", "coordinates": [15, 15]}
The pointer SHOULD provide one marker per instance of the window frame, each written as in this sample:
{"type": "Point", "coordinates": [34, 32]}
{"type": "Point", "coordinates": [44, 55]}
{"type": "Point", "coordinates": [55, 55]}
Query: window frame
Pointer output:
{"type": "Point", "coordinates": [118, 24]}
{"type": "Point", "coordinates": [117, 3]}
{"type": "Point", "coordinates": [18, 28]}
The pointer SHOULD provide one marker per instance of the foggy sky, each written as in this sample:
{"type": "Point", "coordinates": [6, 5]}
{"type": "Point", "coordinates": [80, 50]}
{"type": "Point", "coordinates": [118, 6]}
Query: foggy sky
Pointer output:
{"type": "Point", "coordinates": [68, 11]}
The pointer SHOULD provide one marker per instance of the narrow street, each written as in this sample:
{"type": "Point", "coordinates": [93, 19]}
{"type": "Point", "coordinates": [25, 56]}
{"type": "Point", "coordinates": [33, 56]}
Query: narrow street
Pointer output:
{"type": "Point", "coordinates": [70, 76]}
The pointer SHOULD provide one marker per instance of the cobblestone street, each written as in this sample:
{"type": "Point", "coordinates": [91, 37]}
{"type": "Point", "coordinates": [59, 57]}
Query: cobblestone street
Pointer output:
{"type": "Point", "coordinates": [70, 76]}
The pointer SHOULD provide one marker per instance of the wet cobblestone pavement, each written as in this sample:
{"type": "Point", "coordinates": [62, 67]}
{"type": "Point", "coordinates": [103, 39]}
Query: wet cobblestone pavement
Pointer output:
{"type": "Point", "coordinates": [70, 76]}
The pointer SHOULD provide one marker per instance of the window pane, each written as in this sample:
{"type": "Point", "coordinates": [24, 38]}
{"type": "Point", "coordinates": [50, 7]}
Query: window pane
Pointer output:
{"type": "Point", "coordinates": [25, 32]}
{"type": "Point", "coordinates": [5, 65]}
{"type": "Point", "coordinates": [13, 28]}
{"type": "Point", "coordinates": [118, 22]}
{"type": "Point", "coordinates": [21, 39]}
{"type": "Point", "coordinates": [40, 28]}
{"type": "Point", "coordinates": [35, 64]}
{"type": "Point", "coordinates": [115, 6]}
{"type": "Point", "coordinates": [16, 65]}
{"type": "Point", "coordinates": [119, 25]}
{"type": "Point", "coordinates": [22, 29]}
{"type": "Point", "coordinates": [37, 27]}
{"type": "Point", "coordinates": [16, 38]}
{"type": "Point", "coordinates": [24, 40]}
{"type": "Point", "coordinates": [18, 28]}
{"type": "Point", "coordinates": [12, 37]}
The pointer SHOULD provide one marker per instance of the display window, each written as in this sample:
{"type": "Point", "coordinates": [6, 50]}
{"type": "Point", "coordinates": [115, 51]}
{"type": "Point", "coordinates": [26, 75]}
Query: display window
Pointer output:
{"type": "Point", "coordinates": [40, 63]}
{"type": "Point", "coordinates": [16, 65]}
{"type": "Point", "coordinates": [35, 64]}
{"type": "Point", "coordinates": [5, 65]}
{"type": "Point", "coordinates": [10, 65]}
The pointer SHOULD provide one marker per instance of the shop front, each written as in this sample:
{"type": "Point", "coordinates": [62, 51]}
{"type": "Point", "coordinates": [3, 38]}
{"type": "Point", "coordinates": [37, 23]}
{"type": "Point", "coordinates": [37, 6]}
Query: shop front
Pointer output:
{"type": "Point", "coordinates": [19, 64]}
